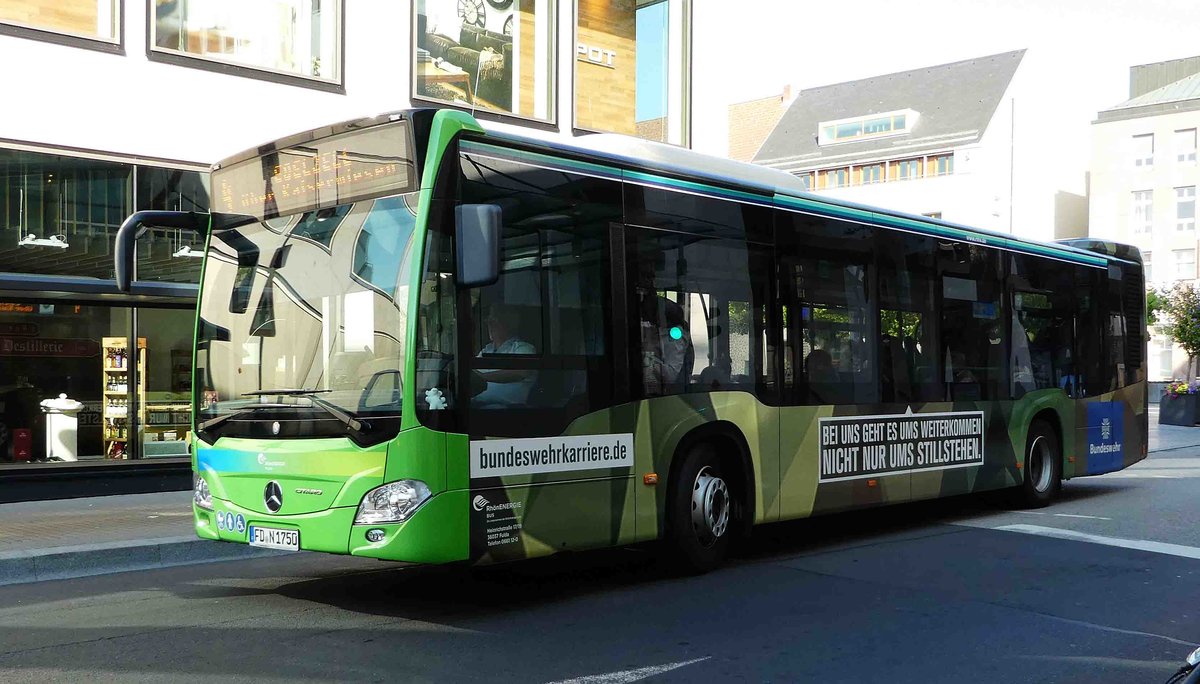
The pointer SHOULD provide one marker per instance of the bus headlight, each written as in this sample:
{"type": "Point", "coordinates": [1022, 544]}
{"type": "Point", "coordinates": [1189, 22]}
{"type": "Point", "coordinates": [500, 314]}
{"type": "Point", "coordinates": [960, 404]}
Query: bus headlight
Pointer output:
{"type": "Point", "coordinates": [393, 502]}
{"type": "Point", "coordinates": [200, 494]}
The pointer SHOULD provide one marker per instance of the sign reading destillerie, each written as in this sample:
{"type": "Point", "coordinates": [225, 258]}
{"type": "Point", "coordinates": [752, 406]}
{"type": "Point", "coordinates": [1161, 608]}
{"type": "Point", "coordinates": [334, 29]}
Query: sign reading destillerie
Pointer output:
{"type": "Point", "coordinates": [500, 457]}
{"type": "Point", "coordinates": [855, 447]}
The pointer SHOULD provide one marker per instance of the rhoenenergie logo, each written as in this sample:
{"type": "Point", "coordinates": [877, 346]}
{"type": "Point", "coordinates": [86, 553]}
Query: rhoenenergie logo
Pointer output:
{"type": "Point", "coordinates": [479, 503]}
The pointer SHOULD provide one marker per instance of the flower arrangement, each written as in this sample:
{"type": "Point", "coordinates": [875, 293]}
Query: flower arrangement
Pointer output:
{"type": "Point", "coordinates": [1178, 387]}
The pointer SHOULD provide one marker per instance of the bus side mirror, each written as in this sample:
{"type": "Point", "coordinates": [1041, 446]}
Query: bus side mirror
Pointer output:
{"type": "Point", "coordinates": [477, 234]}
{"type": "Point", "coordinates": [137, 224]}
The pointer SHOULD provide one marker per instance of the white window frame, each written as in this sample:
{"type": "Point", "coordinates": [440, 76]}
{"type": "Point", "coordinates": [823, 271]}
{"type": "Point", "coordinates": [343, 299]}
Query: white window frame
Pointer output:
{"type": "Point", "coordinates": [1142, 213]}
{"type": "Point", "coordinates": [1140, 160]}
{"type": "Point", "coordinates": [1185, 197]}
{"type": "Point", "coordinates": [1185, 146]}
{"type": "Point", "coordinates": [1184, 269]}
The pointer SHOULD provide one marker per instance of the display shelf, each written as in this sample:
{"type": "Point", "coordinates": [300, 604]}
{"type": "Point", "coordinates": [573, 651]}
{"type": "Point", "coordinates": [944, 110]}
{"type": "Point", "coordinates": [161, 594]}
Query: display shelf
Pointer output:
{"type": "Point", "coordinates": [115, 410]}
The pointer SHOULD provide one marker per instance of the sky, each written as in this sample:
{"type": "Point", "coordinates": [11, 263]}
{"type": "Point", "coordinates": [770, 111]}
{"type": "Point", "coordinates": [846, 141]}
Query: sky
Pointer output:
{"type": "Point", "coordinates": [1078, 59]}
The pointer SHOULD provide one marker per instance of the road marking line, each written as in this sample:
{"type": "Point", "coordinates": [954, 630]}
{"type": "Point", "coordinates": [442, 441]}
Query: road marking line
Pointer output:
{"type": "Point", "coordinates": [1031, 512]}
{"type": "Point", "coordinates": [1118, 630]}
{"type": "Point", "coordinates": [1089, 517]}
{"type": "Point", "coordinates": [1137, 544]}
{"type": "Point", "coordinates": [630, 675]}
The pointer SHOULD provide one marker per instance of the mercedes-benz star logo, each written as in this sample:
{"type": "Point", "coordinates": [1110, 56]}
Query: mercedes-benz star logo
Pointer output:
{"type": "Point", "coordinates": [273, 496]}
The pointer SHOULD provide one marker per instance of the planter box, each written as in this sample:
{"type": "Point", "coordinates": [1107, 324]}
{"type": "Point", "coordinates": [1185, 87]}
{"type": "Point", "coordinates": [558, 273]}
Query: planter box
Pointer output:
{"type": "Point", "coordinates": [1179, 409]}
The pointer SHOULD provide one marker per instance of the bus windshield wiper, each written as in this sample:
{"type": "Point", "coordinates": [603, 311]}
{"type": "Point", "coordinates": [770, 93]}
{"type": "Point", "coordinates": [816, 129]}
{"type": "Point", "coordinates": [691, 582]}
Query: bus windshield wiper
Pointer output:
{"type": "Point", "coordinates": [310, 394]}
{"type": "Point", "coordinates": [213, 422]}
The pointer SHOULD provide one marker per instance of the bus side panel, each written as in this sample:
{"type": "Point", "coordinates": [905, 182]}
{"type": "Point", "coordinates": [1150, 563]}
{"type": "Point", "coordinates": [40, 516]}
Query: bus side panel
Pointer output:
{"type": "Point", "coordinates": [799, 447]}
{"type": "Point", "coordinates": [527, 516]}
{"type": "Point", "coordinates": [664, 422]}
{"type": "Point", "coordinates": [1111, 431]}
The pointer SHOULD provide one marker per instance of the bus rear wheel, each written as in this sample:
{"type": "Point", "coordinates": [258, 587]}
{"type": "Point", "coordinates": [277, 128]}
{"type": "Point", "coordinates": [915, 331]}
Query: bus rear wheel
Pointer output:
{"type": "Point", "coordinates": [700, 520]}
{"type": "Point", "coordinates": [1043, 467]}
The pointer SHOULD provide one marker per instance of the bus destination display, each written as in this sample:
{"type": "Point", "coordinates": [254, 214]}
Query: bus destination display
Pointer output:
{"type": "Point", "coordinates": [325, 173]}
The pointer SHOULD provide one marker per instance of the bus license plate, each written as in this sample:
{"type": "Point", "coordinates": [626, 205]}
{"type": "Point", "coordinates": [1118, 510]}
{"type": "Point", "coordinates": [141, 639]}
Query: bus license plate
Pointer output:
{"type": "Point", "coordinates": [271, 538]}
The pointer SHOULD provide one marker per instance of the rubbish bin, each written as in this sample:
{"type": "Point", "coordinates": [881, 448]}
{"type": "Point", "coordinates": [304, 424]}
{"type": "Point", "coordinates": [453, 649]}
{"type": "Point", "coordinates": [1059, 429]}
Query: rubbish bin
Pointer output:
{"type": "Point", "coordinates": [62, 428]}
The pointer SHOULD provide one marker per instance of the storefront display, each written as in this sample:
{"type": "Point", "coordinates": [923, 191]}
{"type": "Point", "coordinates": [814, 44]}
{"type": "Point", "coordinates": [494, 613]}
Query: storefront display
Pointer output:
{"type": "Point", "coordinates": [118, 358]}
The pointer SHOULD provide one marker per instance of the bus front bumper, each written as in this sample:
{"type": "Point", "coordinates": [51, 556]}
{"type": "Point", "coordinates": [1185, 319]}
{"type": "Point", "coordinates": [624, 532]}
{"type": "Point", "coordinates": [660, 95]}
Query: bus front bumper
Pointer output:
{"type": "Point", "coordinates": [436, 533]}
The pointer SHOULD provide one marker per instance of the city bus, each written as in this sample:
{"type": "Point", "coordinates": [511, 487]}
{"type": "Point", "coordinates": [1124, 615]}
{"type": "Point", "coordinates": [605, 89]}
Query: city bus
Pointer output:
{"type": "Point", "coordinates": [423, 339]}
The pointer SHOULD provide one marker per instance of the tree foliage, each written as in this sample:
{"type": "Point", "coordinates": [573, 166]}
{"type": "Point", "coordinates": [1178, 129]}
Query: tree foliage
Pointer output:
{"type": "Point", "coordinates": [1180, 319]}
{"type": "Point", "coordinates": [1154, 305]}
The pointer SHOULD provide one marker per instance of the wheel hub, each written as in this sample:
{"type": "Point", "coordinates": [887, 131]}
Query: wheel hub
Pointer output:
{"type": "Point", "coordinates": [710, 507]}
{"type": "Point", "coordinates": [1041, 472]}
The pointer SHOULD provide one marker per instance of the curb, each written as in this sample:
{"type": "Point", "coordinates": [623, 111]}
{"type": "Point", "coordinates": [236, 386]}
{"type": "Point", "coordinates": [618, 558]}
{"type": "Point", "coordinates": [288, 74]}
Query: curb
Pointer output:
{"type": "Point", "coordinates": [68, 562]}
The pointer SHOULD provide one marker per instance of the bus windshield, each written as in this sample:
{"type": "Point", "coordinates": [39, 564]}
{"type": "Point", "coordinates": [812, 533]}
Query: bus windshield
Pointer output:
{"type": "Point", "coordinates": [302, 322]}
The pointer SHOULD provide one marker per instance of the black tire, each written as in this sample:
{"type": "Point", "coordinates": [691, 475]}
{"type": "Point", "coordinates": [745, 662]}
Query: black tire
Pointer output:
{"type": "Point", "coordinates": [1042, 468]}
{"type": "Point", "coordinates": [700, 513]}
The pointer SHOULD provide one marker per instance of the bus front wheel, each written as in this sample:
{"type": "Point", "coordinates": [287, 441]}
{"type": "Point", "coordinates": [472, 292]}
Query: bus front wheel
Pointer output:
{"type": "Point", "coordinates": [701, 514]}
{"type": "Point", "coordinates": [1043, 467]}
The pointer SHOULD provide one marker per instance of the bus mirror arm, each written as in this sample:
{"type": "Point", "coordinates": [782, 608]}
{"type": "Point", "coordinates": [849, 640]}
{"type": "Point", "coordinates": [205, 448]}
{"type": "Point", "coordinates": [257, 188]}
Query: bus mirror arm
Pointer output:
{"type": "Point", "coordinates": [136, 225]}
{"type": "Point", "coordinates": [477, 249]}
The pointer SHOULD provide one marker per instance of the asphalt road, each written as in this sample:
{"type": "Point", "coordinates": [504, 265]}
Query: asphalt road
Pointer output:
{"type": "Point", "coordinates": [949, 591]}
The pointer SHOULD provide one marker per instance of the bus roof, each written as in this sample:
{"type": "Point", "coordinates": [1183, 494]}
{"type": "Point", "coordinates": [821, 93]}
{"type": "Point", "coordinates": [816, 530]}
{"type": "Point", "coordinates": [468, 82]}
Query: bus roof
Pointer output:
{"type": "Point", "coordinates": [782, 189]}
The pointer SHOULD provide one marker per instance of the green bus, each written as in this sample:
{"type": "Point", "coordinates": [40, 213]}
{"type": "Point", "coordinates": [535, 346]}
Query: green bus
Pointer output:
{"type": "Point", "coordinates": [423, 339]}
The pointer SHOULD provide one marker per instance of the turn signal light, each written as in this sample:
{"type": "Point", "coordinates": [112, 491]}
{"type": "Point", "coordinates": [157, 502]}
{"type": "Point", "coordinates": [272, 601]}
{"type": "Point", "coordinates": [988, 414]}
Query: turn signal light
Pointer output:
{"type": "Point", "coordinates": [650, 479]}
{"type": "Point", "coordinates": [872, 483]}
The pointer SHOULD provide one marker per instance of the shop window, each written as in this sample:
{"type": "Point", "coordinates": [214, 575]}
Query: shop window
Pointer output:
{"type": "Point", "coordinates": [489, 55]}
{"type": "Point", "coordinates": [94, 19]}
{"type": "Point", "coordinates": [291, 37]}
{"type": "Point", "coordinates": [48, 349]}
{"type": "Point", "coordinates": [632, 68]}
{"type": "Point", "coordinates": [167, 379]}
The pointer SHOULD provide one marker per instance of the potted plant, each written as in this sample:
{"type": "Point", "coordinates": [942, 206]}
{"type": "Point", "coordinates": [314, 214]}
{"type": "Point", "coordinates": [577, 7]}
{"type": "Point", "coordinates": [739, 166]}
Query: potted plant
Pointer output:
{"type": "Point", "coordinates": [1180, 404]}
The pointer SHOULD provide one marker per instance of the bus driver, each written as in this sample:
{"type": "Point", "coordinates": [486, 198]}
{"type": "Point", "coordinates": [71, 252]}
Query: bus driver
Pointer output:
{"type": "Point", "coordinates": [505, 387]}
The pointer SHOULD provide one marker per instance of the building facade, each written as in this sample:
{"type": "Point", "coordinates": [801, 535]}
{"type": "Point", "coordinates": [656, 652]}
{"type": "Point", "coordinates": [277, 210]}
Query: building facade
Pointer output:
{"type": "Point", "coordinates": [946, 141]}
{"type": "Point", "coordinates": [122, 105]}
{"type": "Point", "coordinates": [1143, 183]}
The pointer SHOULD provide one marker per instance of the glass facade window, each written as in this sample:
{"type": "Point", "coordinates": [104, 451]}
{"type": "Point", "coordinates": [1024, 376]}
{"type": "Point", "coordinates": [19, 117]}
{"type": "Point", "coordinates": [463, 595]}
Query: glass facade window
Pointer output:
{"type": "Point", "coordinates": [943, 164]}
{"type": "Point", "coordinates": [494, 56]}
{"type": "Point", "coordinates": [907, 169]}
{"type": "Point", "coordinates": [1185, 146]}
{"type": "Point", "coordinates": [1143, 211]}
{"type": "Point", "coordinates": [1143, 150]}
{"type": "Point", "coordinates": [170, 255]}
{"type": "Point", "coordinates": [292, 37]}
{"type": "Point", "coordinates": [1185, 208]}
{"type": "Point", "coordinates": [872, 173]}
{"type": "Point", "coordinates": [632, 68]}
{"type": "Point", "coordinates": [59, 215]}
{"type": "Point", "coordinates": [807, 179]}
{"type": "Point", "coordinates": [1148, 266]}
{"type": "Point", "coordinates": [874, 126]}
{"type": "Point", "coordinates": [96, 19]}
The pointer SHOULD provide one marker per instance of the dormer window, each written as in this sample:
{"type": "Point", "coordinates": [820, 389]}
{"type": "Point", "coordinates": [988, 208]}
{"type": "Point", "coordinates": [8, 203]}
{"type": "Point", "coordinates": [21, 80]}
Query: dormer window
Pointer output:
{"type": "Point", "coordinates": [864, 127]}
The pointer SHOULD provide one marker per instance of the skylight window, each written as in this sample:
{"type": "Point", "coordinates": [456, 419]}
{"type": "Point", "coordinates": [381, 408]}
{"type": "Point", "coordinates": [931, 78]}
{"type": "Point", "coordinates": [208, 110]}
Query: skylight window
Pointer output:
{"type": "Point", "coordinates": [863, 127]}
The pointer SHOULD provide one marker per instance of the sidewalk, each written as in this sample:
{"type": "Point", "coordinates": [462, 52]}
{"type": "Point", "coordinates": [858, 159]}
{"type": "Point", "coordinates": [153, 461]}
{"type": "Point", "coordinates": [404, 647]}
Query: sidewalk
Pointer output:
{"type": "Point", "coordinates": [1170, 437]}
{"type": "Point", "coordinates": [43, 540]}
